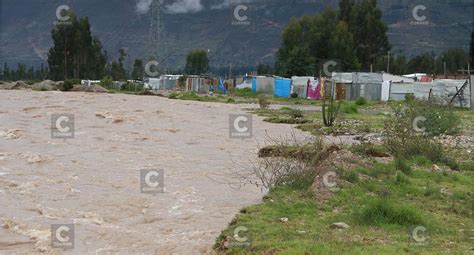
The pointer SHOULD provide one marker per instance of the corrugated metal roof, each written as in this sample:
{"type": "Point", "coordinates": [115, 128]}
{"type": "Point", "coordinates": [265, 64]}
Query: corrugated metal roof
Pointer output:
{"type": "Point", "coordinates": [397, 79]}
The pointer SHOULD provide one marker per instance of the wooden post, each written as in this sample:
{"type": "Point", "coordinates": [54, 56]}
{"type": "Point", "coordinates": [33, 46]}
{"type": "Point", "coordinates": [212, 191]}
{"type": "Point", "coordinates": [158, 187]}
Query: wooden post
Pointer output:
{"type": "Point", "coordinates": [472, 91]}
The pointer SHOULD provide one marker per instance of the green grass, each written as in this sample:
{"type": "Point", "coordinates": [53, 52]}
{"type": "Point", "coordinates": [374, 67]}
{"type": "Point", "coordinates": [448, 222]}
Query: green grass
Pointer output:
{"type": "Point", "coordinates": [284, 115]}
{"type": "Point", "coordinates": [349, 107]}
{"type": "Point", "coordinates": [381, 211]}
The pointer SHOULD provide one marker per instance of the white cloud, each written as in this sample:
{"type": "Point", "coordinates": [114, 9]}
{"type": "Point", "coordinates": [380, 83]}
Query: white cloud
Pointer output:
{"type": "Point", "coordinates": [184, 6]}
{"type": "Point", "coordinates": [228, 3]}
{"type": "Point", "coordinates": [143, 6]}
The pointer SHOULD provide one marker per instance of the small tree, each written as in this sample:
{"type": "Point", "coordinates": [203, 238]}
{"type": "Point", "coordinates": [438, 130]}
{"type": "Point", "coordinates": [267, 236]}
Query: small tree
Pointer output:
{"type": "Point", "coordinates": [330, 108]}
{"type": "Point", "coordinates": [197, 62]}
{"type": "Point", "coordinates": [138, 70]}
{"type": "Point", "coordinates": [106, 82]}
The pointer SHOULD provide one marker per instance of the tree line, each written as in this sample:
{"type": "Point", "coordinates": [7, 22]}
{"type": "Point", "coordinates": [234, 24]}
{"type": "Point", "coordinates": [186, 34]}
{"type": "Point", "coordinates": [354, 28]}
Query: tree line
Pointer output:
{"type": "Point", "coordinates": [354, 37]}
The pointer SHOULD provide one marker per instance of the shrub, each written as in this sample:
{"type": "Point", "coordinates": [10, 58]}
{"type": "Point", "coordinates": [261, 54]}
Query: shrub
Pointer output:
{"type": "Point", "coordinates": [379, 212]}
{"type": "Point", "coordinates": [231, 101]}
{"type": "Point", "coordinates": [245, 92]}
{"type": "Point", "coordinates": [349, 108]}
{"type": "Point", "coordinates": [403, 138]}
{"type": "Point", "coordinates": [68, 85]}
{"type": "Point", "coordinates": [295, 113]}
{"type": "Point", "coordinates": [421, 160]}
{"type": "Point", "coordinates": [330, 110]}
{"type": "Point", "coordinates": [467, 166]}
{"type": "Point", "coordinates": [190, 96]}
{"type": "Point", "coordinates": [402, 178]}
{"type": "Point", "coordinates": [402, 165]}
{"type": "Point", "coordinates": [294, 95]}
{"type": "Point", "coordinates": [351, 176]}
{"type": "Point", "coordinates": [263, 102]}
{"type": "Point", "coordinates": [369, 149]}
{"type": "Point", "coordinates": [410, 98]}
{"type": "Point", "coordinates": [173, 95]}
{"type": "Point", "coordinates": [361, 101]}
{"type": "Point", "coordinates": [107, 82]}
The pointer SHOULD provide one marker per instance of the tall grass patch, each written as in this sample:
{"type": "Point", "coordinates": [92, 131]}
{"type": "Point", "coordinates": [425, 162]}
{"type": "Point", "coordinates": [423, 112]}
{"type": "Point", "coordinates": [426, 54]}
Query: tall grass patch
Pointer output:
{"type": "Point", "coordinates": [379, 212]}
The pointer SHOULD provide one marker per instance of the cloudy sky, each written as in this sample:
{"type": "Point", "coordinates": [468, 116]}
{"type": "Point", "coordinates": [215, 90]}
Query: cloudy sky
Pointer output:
{"type": "Point", "coordinates": [189, 6]}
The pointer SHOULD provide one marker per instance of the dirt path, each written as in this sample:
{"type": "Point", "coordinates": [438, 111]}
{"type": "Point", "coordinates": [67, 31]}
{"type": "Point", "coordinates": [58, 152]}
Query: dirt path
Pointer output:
{"type": "Point", "coordinates": [93, 180]}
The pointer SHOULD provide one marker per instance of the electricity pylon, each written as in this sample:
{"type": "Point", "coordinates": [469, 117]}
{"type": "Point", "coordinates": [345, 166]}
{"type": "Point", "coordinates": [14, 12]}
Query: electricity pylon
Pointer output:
{"type": "Point", "coordinates": [156, 39]}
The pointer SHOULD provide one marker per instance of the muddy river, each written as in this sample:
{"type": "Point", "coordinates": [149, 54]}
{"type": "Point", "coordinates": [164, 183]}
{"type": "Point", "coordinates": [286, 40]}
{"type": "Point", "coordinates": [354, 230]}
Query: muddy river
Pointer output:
{"type": "Point", "coordinates": [83, 193]}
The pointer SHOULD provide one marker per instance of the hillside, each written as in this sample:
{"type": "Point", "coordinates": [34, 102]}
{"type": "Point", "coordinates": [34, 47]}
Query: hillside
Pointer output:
{"type": "Point", "coordinates": [26, 25]}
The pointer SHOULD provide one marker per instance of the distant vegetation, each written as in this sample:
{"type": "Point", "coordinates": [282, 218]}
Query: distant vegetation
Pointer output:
{"type": "Point", "coordinates": [197, 62]}
{"type": "Point", "coordinates": [354, 37]}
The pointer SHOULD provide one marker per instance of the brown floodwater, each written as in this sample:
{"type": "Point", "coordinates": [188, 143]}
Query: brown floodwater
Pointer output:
{"type": "Point", "coordinates": [93, 180]}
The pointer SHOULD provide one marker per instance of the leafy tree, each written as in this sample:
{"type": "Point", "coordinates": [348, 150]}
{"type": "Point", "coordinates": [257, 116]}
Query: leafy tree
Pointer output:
{"type": "Point", "coordinates": [345, 9]}
{"type": "Point", "coordinates": [471, 50]}
{"type": "Point", "coordinates": [75, 52]}
{"type": "Point", "coordinates": [117, 70]}
{"type": "Point", "coordinates": [263, 69]}
{"type": "Point", "coordinates": [6, 72]}
{"type": "Point", "coordinates": [20, 73]}
{"type": "Point", "coordinates": [456, 59]}
{"type": "Point", "coordinates": [342, 46]}
{"type": "Point", "coordinates": [138, 70]}
{"type": "Point", "coordinates": [197, 62]}
{"type": "Point", "coordinates": [421, 64]}
{"type": "Point", "coordinates": [370, 33]}
{"type": "Point", "coordinates": [399, 65]}
{"type": "Point", "coordinates": [311, 41]}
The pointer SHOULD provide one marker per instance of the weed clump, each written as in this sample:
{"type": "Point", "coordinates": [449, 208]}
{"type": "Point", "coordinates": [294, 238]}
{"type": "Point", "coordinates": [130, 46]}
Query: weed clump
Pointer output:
{"type": "Point", "coordinates": [361, 101]}
{"type": "Point", "coordinates": [379, 212]}
{"type": "Point", "coordinates": [349, 108]}
{"type": "Point", "coordinates": [409, 133]}
{"type": "Point", "coordinates": [402, 165]}
{"type": "Point", "coordinates": [263, 102]}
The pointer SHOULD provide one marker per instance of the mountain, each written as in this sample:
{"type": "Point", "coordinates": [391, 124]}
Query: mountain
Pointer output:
{"type": "Point", "coordinates": [414, 27]}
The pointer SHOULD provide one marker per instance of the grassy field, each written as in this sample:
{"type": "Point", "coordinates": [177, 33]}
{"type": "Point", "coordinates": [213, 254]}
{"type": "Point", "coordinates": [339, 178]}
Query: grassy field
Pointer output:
{"type": "Point", "coordinates": [383, 212]}
{"type": "Point", "coordinates": [397, 205]}
{"type": "Point", "coordinates": [244, 96]}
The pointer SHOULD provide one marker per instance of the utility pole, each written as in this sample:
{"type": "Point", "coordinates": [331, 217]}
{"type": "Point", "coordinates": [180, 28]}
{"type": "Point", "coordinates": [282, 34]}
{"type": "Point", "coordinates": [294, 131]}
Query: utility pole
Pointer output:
{"type": "Point", "coordinates": [65, 55]}
{"type": "Point", "coordinates": [445, 73]}
{"type": "Point", "coordinates": [388, 63]}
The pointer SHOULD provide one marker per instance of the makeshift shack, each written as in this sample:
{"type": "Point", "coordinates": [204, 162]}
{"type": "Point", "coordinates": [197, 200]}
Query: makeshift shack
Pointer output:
{"type": "Point", "coordinates": [351, 86]}
{"type": "Point", "coordinates": [263, 84]}
{"type": "Point", "coordinates": [300, 85]}
{"type": "Point", "coordinates": [445, 90]}
{"type": "Point", "coordinates": [282, 87]}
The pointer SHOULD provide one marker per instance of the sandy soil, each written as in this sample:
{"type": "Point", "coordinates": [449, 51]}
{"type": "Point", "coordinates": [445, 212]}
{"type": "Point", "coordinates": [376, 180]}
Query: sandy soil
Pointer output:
{"type": "Point", "coordinates": [93, 180]}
